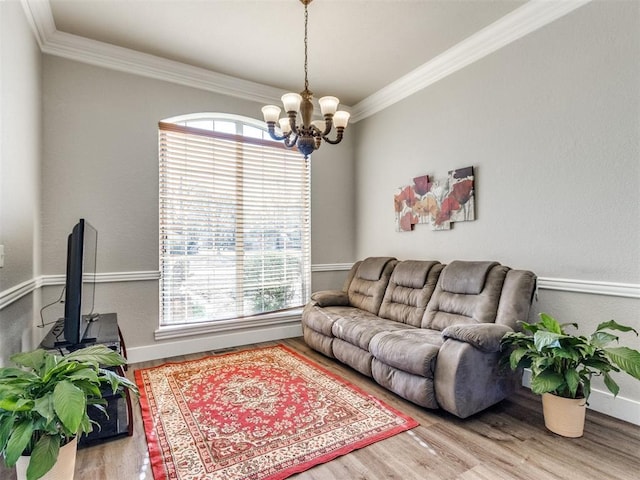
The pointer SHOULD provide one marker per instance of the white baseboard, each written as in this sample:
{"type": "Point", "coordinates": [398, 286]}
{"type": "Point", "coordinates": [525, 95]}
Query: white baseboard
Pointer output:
{"type": "Point", "coordinates": [622, 408]}
{"type": "Point", "coordinates": [213, 342]}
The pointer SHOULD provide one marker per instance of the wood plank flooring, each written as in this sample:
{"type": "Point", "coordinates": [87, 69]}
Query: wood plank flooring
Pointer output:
{"type": "Point", "coordinates": [505, 442]}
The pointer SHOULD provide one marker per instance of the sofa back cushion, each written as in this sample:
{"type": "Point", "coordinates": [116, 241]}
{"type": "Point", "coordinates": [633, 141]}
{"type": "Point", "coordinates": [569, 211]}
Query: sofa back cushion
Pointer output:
{"type": "Point", "coordinates": [370, 278]}
{"type": "Point", "coordinates": [466, 293]}
{"type": "Point", "coordinates": [515, 300]}
{"type": "Point", "coordinates": [410, 288]}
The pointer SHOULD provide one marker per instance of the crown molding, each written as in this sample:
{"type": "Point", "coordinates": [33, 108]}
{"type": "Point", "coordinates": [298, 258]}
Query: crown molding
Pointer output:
{"type": "Point", "coordinates": [92, 52]}
{"type": "Point", "coordinates": [130, 61]}
{"type": "Point", "coordinates": [40, 18]}
{"type": "Point", "coordinates": [520, 22]}
{"type": "Point", "coordinates": [526, 19]}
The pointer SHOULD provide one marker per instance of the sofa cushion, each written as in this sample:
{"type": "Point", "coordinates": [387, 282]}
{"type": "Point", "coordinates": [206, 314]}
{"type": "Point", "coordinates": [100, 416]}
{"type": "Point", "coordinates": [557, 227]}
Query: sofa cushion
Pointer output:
{"type": "Point", "coordinates": [353, 356]}
{"type": "Point", "coordinates": [371, 268]}
{"type": "Point", "coordinates": [411, 285]}
{"type": "Point", "coordinates": [465, 277]}
{"type": "Point", "coordinates": [414, 351]}
{"type": "Point", "coordinates": [359, 328]}
{"type": "Point", "coordinates": [516, 297]}
{"type": "Point", "coordinates": [415, 388]}
{"type": "Point", "coordinates": [321, 319]}
{"type": "Point", "coordinates": [369, 282]}
{"type": "Point", "coordinates": [448, 308]}
{"type": "Point", "coordinates": [318, 341]}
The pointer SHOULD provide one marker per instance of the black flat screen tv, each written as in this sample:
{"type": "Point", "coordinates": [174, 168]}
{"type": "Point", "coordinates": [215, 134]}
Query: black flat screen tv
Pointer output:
{"type": "Point", "coordinates": [80, 283]}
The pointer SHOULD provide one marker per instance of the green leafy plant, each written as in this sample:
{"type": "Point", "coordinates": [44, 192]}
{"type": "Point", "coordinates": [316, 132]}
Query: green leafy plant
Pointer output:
{"type": "Point", "coordinates": [564, 364]}
{"type": "Point", "coordinates": [43, 404]}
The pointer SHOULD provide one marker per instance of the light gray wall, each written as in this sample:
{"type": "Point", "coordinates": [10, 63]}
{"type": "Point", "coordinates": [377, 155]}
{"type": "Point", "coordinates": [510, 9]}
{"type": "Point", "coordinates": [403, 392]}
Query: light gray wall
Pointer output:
{"type": "Point", "coordinates": [333, 211]}
{"type": "Point", "coordinates": [551, 124]}
{"type": "Point", "coordinates": [101, 163]}
{"type": "Point", "coordinates": [333, 203]}
{"type": "Point", "coordinates": [20, 134]}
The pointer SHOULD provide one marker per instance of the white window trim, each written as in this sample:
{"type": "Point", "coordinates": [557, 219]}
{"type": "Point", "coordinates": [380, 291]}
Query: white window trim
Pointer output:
{"type": "Point", "coordinates": [282, 318]}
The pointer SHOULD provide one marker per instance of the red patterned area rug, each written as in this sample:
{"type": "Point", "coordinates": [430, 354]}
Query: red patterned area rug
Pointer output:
{"type": "Point", "coordinates": [259, 414]}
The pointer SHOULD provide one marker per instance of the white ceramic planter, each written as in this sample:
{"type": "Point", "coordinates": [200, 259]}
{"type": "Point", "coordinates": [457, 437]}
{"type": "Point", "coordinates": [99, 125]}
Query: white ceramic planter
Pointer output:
{"type": "Point", "coordinates": [63, 468]}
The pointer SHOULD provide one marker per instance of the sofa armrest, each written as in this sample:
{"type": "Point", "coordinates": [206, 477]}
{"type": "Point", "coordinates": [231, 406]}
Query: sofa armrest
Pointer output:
{"type": "Point", "coordinates": [330, 298]}
{"type": "Point", "coordinates": [468, 380]}
{"type": "Point", "coordinates": [483, 336]}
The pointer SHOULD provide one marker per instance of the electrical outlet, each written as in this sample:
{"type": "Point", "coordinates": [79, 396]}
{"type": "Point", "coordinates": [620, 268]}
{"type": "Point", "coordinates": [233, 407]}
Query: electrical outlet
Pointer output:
{"type": "Point", "coordinates": [1, 256]}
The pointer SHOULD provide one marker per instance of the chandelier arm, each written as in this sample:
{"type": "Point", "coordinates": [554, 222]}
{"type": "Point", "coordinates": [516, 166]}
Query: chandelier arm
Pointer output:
{"type": "Point", "coordinates": [328, 123]}
{"type": "Point", "coordinates": [338, 138]}
{"type": "Point", "coordinates": [272, 132]}
{"type": "Point", "coordinates": [291, 140]}
{"type": "Point", "coordinates": [292, 122]}
{"type": "Point", "coordinates": [315, 131]}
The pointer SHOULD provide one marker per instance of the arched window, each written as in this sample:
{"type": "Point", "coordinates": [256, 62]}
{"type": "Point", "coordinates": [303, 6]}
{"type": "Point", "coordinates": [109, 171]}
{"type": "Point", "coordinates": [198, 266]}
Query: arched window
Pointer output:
{"type": "Point", "coordinates": [234, 221]}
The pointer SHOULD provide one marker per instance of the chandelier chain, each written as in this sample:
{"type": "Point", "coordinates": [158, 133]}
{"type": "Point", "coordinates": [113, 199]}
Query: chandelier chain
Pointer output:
{"type": "Point", "coordinates": [306, 20]}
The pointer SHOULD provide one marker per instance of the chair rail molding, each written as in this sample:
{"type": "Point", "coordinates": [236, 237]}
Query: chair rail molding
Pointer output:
{"type": "Point", "coordinates": [593, 287]}
{"type": "Point", "coordinates": [110, 277]}
{"type": "Point", "coordinates": [529, 17]}
{"type": "Point", "coordinates": [612, 289]}
{"type": "Point", "coordinates": [15, 293]}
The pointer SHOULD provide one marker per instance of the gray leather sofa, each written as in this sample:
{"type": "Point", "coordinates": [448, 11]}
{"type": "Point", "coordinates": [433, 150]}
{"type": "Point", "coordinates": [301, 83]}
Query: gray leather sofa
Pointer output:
{"type": "Point", "coordinates": [428, 332]}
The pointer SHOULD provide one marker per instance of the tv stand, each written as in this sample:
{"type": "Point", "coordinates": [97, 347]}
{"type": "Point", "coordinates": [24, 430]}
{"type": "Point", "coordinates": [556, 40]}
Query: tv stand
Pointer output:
{"type": "Point", "coordinates": [103, 330]}
{"type": "Point", "coordinates": [63, 344]}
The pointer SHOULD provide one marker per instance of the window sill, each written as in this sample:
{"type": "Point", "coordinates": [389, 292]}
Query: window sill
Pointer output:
{"type": "Point", "coordinates": [268, 319]}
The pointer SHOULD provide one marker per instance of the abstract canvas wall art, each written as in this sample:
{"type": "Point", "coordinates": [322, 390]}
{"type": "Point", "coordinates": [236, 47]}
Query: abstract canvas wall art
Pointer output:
{"type": "Point", "coordinates": [436, 202]}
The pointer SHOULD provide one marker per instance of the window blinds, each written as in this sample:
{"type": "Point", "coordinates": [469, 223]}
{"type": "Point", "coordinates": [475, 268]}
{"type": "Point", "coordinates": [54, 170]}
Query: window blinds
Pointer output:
{"type": "Point", "coordinates": [234, 226]}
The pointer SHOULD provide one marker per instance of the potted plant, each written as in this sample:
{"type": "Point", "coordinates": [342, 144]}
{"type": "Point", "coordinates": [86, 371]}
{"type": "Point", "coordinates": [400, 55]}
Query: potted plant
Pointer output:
{"type": "Point", "coordinates": [43, 403]}
{"type": "Point", "coordinates": [562, 366]}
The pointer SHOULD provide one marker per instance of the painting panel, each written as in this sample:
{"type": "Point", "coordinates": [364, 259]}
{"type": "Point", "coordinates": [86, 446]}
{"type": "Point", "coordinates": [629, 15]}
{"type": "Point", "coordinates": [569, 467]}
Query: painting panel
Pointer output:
{"type": "Point", "coordinates": [436, 202]}
{"type": "Point", "coordinates": [461, 195]}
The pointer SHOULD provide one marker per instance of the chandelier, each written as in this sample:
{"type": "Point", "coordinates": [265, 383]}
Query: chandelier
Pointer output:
{"type": "Point", "coordinates": [307, 136]}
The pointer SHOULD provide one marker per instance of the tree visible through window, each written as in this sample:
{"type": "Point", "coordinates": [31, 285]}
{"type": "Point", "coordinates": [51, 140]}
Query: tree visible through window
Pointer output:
{"type": "Point", "coordinates": [234, 221]}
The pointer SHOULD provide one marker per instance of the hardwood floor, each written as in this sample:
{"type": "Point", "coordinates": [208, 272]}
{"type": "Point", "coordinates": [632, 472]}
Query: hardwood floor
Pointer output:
{"type": "Point", "coordinates": [507, 441]}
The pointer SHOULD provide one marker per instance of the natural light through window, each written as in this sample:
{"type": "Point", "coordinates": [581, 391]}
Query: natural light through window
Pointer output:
{"type": "Point", "coordinates": [234, 221]}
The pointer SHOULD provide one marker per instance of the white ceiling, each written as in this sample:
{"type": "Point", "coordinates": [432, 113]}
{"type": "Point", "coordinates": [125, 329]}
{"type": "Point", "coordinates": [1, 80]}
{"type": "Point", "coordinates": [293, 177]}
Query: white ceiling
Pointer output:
{"type": "Point", "coordinates": [356, 47]}
{"type": "Point", "coordinates": [371, 54]}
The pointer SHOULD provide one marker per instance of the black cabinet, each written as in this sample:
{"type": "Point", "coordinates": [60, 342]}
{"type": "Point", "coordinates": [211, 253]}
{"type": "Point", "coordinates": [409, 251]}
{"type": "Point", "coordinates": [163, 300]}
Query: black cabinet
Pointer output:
{"type": "Point", "coordinates": [116, 423]}
{"type": "Point", "coordinates": [119, 419]}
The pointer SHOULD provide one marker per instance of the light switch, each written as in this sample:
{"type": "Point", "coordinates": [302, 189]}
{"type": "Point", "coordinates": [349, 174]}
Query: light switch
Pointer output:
{"type": "Point", "coordinates": [1, 256]}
